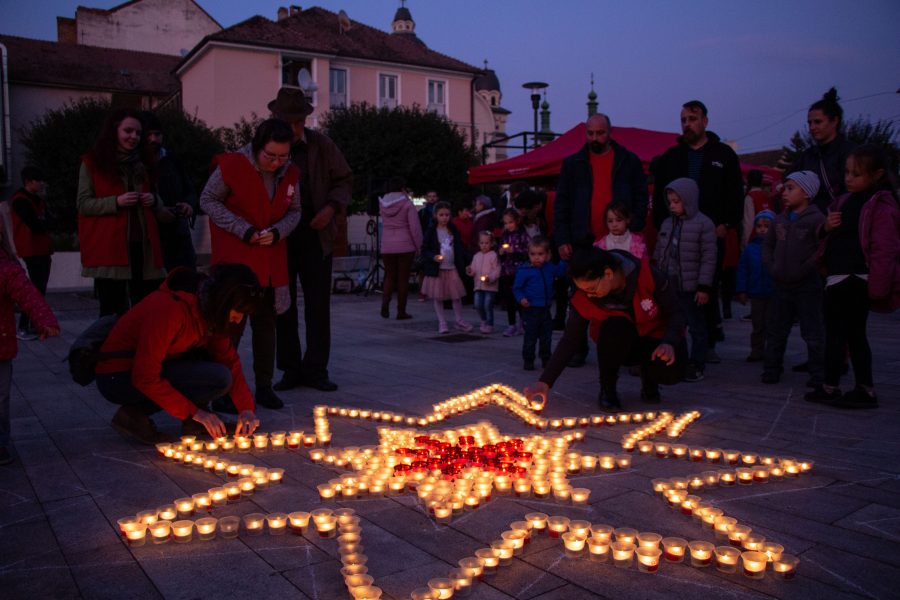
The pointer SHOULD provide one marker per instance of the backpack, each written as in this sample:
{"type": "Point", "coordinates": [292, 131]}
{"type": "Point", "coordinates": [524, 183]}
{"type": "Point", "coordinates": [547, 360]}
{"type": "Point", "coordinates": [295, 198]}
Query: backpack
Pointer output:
{"type": "Point", "coordinates": [85, 351]}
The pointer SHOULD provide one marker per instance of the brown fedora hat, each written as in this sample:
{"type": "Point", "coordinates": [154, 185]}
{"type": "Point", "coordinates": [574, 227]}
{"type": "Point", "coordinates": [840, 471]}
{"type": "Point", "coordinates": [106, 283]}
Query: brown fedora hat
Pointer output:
{"type": "Point", "coordinates": [290, 104]}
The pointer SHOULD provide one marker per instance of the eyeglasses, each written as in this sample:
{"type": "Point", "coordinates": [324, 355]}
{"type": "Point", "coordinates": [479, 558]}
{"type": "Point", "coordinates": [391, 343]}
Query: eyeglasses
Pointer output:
{"type": "Point", "coordinates": [275, 157]}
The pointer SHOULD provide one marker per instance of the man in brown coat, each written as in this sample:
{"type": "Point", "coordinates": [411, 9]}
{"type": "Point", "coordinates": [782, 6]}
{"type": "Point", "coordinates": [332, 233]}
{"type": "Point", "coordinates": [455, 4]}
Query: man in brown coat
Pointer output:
{"type": "Point", "coordinates": [326, 184]}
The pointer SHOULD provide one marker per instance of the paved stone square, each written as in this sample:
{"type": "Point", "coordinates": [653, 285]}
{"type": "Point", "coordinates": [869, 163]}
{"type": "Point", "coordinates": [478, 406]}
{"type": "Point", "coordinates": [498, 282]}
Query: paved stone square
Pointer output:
{"type": "Point", "coordinates": [75, 476]}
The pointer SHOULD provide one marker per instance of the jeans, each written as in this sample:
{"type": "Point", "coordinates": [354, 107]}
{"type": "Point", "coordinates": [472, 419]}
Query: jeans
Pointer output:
{"type": "Point", "coordinates": [484, 304]}
{"type": "Point", "coordinates": [200, 381]}
{"type": "Point", "coordinates": [697, 325]}
{"type": "Point", "coordinates": [618, 343]}
{"type": "Point", "coordinates": [846, 313]}
{"type": "Point", "coordinates": [39, 274]}
{"type": "Point", "coordinates": [5, 385]}
{"type": "Point", "coordinates": [787, 304]}
{"type": "Point", "coordinates": [538, 331]}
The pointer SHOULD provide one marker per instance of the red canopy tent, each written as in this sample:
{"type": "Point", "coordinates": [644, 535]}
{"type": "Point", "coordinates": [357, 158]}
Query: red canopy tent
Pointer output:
{"type": "Point", "coordinates": [546, 161]}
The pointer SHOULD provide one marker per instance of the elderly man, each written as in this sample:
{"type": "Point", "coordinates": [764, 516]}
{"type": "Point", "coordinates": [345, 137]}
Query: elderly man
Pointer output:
{"type": "Point", "coordinates": [326, 184]}
{"type": "Point", "coordinates": [600, 173]}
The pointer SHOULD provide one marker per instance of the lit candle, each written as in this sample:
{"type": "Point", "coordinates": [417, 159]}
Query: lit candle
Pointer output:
{"type": "Point", "coordinates": [354, 558]}
{"type": "Point", "coordinates": [232, 492]}
{"type": "Point", "coordinates": [648, 559]}
{"type": "Point", "coordinates": [327, 527]}
{"type": "Point", "coordinates": [441, 587]}
{"type": "Point", "coordinates": [309, 440]}
{"type": "Point", "coordinates": [722, 526]}
{"type": "Point", "coordinates": [504, 550]}
{"type": "Point", "coordinates": [161, 531]}
{"type": "Point", "coordinates": [744, 475]}
{"type": "Point", "coordinates": [472, 566]}
{"type": "Point", "coordinates": [580, 496]}
{"type": "Point", "coordinates": [773, 551]}
{"type": "Point", "coordinates": [673, 549]}
{"type": "Point", "coordinates": [253, 523]}
{"type": "Point", "coordinates": [247, 486]}
{"type": "Point", "coordinates": [182, 531]}
{"type": "Point", "coordinates": [727, 559]}
{"type": "Point", "coordinates": [754, 564]}
{"type": "Point", "coordinates": [602, 532]}
{"type": "Point", "coordinates": [697, 454]}
{"type": "Point", "coordinates": [516, 538]}
{"type": "Point", "coordinates": [202, 501]}
{"type": "Point", "coordinates": [229, 527]}
{"type": "Point", "coordinates": [276, 475]}
{"type": "Point", "coordinates": [626, 534]}
{"type": "Point", "coordinates": [522, 487]}
{"type": "Point", "coordinates": [167, 512]}
{"type": "Point", "coordinates": [598, 549]}
{"type": "Point", "coordinates": [367, 592]}
{"type": "Point", "coordinates": [574, 544]}
{"type": "Point", "coordinates": [538, 521]}
{"type": "Point", "coordinates": [557, 525]}
{"type": "Point", "coordinates": [648, 540]}
{"type": "Point", "coordinates": [443, 513]}
{"type": "Point", "coordinates": [727, 478]}
{"type": "Point", "coordinates": [136, 535]}
{"type": "Point", "coordinates": [147, 517]}
{"type": "Point", "coordinates": [462, 582]}
{"type": "Point", "coordinates": [786, 566]}
{"type": "Point", "coordinates": [358, 580]}
{"type": "Point", "coordinates": [755, 542]}
{"type": "Point", "coordinates": [737, 534]}
{"type": "Point", "coordinates": [277, 523]}
{"type": "Point", "coordinates": [206, 528]}
{"type": "Point", "coordinates": [185, 507]}
{"type": "Point", "coordinates": [623, 554]}
{"type": "Point", "coordinates": [701, 553]}
{"type": "Point", "coordinates": [731, 456]}
{"type": "Point", "coordinates": [709, 517]}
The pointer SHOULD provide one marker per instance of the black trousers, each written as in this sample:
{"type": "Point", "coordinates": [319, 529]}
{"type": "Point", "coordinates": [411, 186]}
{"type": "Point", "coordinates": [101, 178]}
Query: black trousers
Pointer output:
{"type": "Point", "coordinates": [397, 268]}
{"type": "Point", "coordinates": [619, 344]}
{"type": "Point", "coordinates": [39, 274]}
{"type": "Point", "coordinates": [846, 313]}
{"type": "Point", "coordinates": [262, 327]}
{"type": "Point", "coordinates": [306, 261]}
{"type": "Point", "coordinates": [538, 332]}
{"type": "Point", "coordinates": [116, 296]}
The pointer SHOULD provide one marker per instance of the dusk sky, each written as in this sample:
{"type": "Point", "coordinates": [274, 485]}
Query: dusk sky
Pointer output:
{"type": "Point", "coordinates": [756, 65]}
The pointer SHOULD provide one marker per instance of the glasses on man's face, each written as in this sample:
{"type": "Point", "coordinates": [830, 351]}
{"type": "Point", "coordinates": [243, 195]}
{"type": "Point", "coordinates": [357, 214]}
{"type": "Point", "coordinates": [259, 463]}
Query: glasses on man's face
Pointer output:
{"type": "Point", "coordinates": [594, 288]}
{"type": "Point", "coordinates": [275, 157]}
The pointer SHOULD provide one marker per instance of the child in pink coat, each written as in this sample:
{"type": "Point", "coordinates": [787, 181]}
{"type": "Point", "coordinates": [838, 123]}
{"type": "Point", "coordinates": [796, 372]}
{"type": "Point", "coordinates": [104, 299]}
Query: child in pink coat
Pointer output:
{"type": "Point", "coordinates": [619, 237]}
{"type": "Point", "coordinates": [485, 270]}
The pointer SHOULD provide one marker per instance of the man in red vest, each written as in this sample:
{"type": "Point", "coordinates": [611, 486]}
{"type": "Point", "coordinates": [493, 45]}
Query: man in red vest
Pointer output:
{"type": "Point", "coordinates": [31, 235]}
{"type": "Point", "coordinates": [632, 313]}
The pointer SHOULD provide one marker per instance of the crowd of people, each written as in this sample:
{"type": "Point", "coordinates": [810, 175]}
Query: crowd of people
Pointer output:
{"type": "Point", "coordinates": [646, 269]}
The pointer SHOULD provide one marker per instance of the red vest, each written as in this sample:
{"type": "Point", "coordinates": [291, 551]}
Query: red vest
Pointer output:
{"type": "Point", "coordinates": [250, 200]}
{"type": "Point", "coordinates": [760, 200]}
{"type": "Point", "coordinates": [104, 238]}
{"type": "Point", "coordinates": [27, 242]}
{"type": "Point", "coordinates": [646, 316]}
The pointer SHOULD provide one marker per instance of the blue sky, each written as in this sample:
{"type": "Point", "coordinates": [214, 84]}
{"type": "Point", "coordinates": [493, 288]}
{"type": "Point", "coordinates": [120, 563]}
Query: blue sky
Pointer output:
{"type": "Point", "coordinates": [756, 65]}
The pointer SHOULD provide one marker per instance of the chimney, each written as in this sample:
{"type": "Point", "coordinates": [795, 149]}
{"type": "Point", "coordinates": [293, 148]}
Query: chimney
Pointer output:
{"type": "Point", "coordinates": [295, 9]}
{"type": "Point", "coordinates": [66, 31]}
{"type": "Point", "coordinates": [282, 13]}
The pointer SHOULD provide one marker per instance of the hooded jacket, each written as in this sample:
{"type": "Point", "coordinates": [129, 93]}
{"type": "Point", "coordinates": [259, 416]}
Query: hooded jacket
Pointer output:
{"type": "Point", "coordinates": [401, 231]}
{"type": "Point", "coordinates": [686, 247]}
{"type": "Point", "coordinates": [163, 326]}
{"type": "Point", "coordinates": [790, 250]}
{"type": "Point", "coordinates": [721, 184]}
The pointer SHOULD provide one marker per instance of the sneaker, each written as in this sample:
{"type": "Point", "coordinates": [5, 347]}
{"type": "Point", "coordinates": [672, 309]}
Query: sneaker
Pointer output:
{"type": "Point", "coordinates": [289, 381]}
{"type": "Point", "coordinates": [463, 326]}
{"type": "Point", "coordinates": [403, 316]}
{"type": "Point", "coordinates": [5, 456]}
{"type": "Point", "coordinates": [608, 400]}
{"type": "Point", "coordinates": [529, 365]}
{"type": "Point", "coordinates": [134, 424]}
{"type": "Point", "coordinates": [442, 328]}
{"type": "Point", "coordinates": [857, 398]}
{"type": "Point", "coordinates": [509, 331]}
{"type": "Point", "coordinates": [24, 335]}
{"type": "Point", "coordinates": [712, 357]}
{"type": "Point", "coordinates": [822, 394]}
{"type": "Point", "coordinates": [385, 312]}
{"type": "Point", "coordinates": [769, 377]}
{"type": "Point", "coordinates": [486, 329]}
{"type": "Point", "coordinates": [319, 382]}
{"type": "Point", "coordinates": [693, 374]}
{"type": "Point", "coordinates": [267, 398]}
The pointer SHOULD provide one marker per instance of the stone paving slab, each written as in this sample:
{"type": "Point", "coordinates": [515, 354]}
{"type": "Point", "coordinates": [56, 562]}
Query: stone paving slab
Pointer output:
{"type": "Point", "coordinates": [75, 476]}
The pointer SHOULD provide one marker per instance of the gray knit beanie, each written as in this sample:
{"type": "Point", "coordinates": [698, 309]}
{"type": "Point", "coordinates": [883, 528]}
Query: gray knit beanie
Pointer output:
{"type": "Point", "coordinates": [808, 182]}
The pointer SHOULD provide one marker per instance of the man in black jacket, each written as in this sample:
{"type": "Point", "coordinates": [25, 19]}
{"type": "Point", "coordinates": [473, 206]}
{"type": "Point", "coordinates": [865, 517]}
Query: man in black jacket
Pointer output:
{"type": "Point", "coordinates": [702, 156]}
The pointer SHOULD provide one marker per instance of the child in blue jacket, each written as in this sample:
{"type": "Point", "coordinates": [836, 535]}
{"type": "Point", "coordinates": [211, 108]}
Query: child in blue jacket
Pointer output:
{"type": "Point", "coordinates": [534, 292]}
{"type": "Point", "coordinates": [755, 282]}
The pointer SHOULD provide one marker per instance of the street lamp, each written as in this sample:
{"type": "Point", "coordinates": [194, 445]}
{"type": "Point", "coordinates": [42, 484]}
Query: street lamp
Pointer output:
{"type": "Point", "coordinates": [535, 87]}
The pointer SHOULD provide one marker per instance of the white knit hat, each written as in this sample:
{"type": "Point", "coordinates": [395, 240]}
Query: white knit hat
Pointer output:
{"type": "Point", "coordinates": [808, 182]}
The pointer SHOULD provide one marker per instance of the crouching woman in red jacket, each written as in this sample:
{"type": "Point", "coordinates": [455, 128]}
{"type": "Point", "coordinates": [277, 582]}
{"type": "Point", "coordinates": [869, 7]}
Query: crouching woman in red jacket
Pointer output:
{"type": "Point", "coordinates": [173, 352]}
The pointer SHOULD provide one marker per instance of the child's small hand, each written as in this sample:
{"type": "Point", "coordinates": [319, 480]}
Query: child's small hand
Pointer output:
{"type": "Point", "coordinates": [742, 298]}
{"type": "Point", "coordinates": [524, 302]}
{"type": "Point", "coordinates": [701, 298]}
{"type": "Point", "coordinates": [438, 258]}
{"type": "Point", "coordinates": [470, 271]}
{"type": "Point", "coordinates": [833, 220]}
{"type": "Point", "coordinates": [46, 332]}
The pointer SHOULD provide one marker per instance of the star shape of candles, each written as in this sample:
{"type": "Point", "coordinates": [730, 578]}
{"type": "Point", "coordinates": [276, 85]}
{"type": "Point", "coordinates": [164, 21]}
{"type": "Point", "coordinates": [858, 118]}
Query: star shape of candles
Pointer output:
{"type": "Point", "coordinates": [452, 470]}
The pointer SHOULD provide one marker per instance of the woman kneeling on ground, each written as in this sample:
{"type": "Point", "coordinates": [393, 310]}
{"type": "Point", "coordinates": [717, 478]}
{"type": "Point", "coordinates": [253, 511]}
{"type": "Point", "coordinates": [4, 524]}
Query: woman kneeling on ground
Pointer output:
{"type": "Point", "coordinates": [633, 316]}
{"type": "Point", "coordinates": [173, 352]}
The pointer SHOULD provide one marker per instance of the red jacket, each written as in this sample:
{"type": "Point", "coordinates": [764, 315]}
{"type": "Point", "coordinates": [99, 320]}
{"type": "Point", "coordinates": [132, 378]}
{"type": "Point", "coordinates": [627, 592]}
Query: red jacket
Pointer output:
{"type": "Point", "coordinates": [163, 326]}
{"type": "Point", "coordinates": [15, 288]}
{"type": "Point", "coordinates": [250, 200]}
{"type": "Point", "coordinates": [104, 238]}
{"type": "Point", "coordinates": [29, 243]}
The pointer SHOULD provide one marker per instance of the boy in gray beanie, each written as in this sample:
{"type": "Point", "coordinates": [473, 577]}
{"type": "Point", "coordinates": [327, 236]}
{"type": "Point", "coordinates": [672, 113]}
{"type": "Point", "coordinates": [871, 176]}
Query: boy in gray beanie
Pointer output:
{"type": "Point", "coordinates": [789, 252]}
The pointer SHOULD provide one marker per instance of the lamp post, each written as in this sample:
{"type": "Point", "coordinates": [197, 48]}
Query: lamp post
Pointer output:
{"type": "Point", "coordinates": [535, 87]}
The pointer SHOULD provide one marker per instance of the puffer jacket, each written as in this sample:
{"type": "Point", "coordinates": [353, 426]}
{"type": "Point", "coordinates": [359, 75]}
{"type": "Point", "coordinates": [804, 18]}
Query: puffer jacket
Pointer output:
{"type": "Point", "coordinates": [401, 231]}
{"type": "Point", "coordinates": [791, 248]}
{"type": "Point", "coordinates": [879, 236]}
{"type": "Point", "coordinates": [753, 278]}
{"type": "Point", "coordinates": [15, 288]}
{"type": "Point", "coordinates": [686, 247]}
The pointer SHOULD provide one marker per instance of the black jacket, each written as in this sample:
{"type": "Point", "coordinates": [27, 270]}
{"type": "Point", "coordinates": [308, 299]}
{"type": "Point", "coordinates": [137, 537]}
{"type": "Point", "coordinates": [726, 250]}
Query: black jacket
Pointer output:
{"type": "Point", "coordinates": [173, 186]}
{"type": "Point", "coordinates": [431, 247]}
{"type": "Point", "coordinates": [721, 186]}
{"type": "Point", "coordinates": [827, 161]}
{"type": "Point", "coordinates": [572, 207]}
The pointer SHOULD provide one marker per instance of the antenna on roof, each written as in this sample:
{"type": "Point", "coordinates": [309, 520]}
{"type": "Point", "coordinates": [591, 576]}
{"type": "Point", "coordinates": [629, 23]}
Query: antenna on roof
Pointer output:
{"type": "Point", "coordinates": [343, 21]}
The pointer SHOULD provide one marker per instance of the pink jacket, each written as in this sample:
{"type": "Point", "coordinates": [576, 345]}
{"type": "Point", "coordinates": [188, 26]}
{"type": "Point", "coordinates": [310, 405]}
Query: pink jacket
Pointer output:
{"type": "Point", "coordinates": [636, 246]}
{"type": "Point", "coordinates": [401, 231]}
{"type": "Point", "coordinates": [15, 288]}
{"type": "Point", "coordinates": [879, 236]}
{"type": "Point", "coordinates": [486, 265]}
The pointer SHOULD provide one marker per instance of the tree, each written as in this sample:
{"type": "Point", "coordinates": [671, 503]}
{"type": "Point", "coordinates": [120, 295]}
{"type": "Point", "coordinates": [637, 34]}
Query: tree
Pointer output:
{"type": "Point", "coordinates": [56, 141]}
{"type": "Point", "coordinates": [859, 130]}
{"type": "Point", "coordinates": [240, 134]}
{"type": "Point", "coordinates": [423, 147]}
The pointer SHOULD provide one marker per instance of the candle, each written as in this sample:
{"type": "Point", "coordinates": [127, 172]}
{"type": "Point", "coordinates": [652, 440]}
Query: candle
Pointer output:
{"type": "Point", "coordinates": [701, 553]}
{"type": "Point", "coordinates": [185, 507]}
{"type": "Point", "coordinates": [524, 527]}
{"type": "Point", "coordinates": [247, 486]}
{"type": "Point", "coordinates": [697, 454]}
{"type": "Point", "coordinates": [773, 551]}
{"type": "Point", "coordinates": [483, 278]}
{"type": "Point", "coordinates": [673, 549]}
{"type": "Point", "coordinates": [648, 559]}
{"type": "Point", "coordinates": [277, 523]}
{"type": "Point", "coordinates": [710, 478]}
{"type": "Point", "coordinates": [161, 531]}
{"type": "Point", "coordinates": [504, 550]}
{"type": "Point", "coordinates": [367, 592]}
{"type": "Point", "coordinates": [462, 582]}
{"type": "Point", "coordinates": [557, 525]}
{"type": "Point", "coordinates": [147, 517]}
{"type": "Point", "coordinates": [441, 587]}
{"type": "Point", "coordinates": [358, 580]}
{"type": "Point", "coordinates": [354, 558]}
{"type": "Point", "coordinates": [206, 528]}
{"type": "Point", "coordinates": [731, 456]}
{"type": "Point", "coordinates": [309, 440]}
{"type": "Point", "coordinates": [253, 523]}
{"type": "Point", "coordinates": [167, 512]}
{"type": "Point", "coordinates": [538, 521]}
{"type": "Point", "coordinates": [709, 517]}
{"type": "Point", "coordinates": [327, 527]}
{"type": "Point", "coordinates": [602, 532]}
{"type": "Point", "coordinates": [422, 593]}
{"type": "Point", "coordinates": [754, 541]}
{"type": "Point", "coordinates": [598, 549]}
{"type": "Point", "coordinates": [490, 559]}
{"type": "Point", "coordinates": [276, 475]}
{"type": "Point", "coordinates": [299, 522]}
{"type": "Point", "coordinates": [754, 564]}
{"type": "Point", "coordinates": [516, 538]}
{"type": "Point", "coordinates": [744, 475]}
{"type": "Point", "coordinates": [522, 487]}
{"type": "Point", "coordinates": [737, 534]}
{"type": "Point", "coordinates": [626, 534]}
{"type": "Point", "coordinates": [126, 524]}
{"type": "Point", "coordinates": [136, 535]}
{"type": "Point", "coordinates": [727, 558]}
{"type": "Point", "coordinates": [722, 526]}
{"type": "Point", "coordinates": [182, 531]}
{"type": "Point", "coordinates": [648, 540]}
{"type": "Point", "coordinates": [232, 492]}
{"type": "Point", "coordinates": [623, 461]}
{"type": "Point", "coordinates": [443, 513]}
{"type": "Point", "coordinates": [350, 570]}
{"type": "Point", "coordinates": [472, 566]}
{"type": "Point", "coordinates": [623, 554]}
{"type": "Point", "coordinates": [580, 496]}
{"type": "Point", "coordinates": [574, 544]}
{"type": "Point", "coordinates": [326, 491]}
{"type": "Point", "coordinates": [229, 527]}
{"type": "Point", "coordinates": [786, 566]}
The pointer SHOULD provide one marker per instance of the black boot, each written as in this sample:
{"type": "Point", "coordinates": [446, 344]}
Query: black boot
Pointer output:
{"type": "Point", "coordinates": [266, 398]}
{"type": "Point", "coordinates": [289, 381]}
{"type": "Point", "coordinates": [608, 399]}
{"type": "Point", "coordinates": [649, 388]}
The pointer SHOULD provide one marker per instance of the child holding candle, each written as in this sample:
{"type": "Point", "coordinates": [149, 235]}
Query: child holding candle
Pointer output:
{"type": "Point", "coordinates": [861, 256]}
{"type": "Point", "coordinates": [485, 269]}
{"type": "Point", "coordinates": [16, 289]}
{"type": "Point", "coordinates": [789, 251]}
{"type": "Point", "coordinates": [533, 291]}
{"type": "Point", "coordinates": [443, 261]}
{"type": "Point", "coordinates": [755, 283]}
{"type": "Point", "coordinates": [513, 253]}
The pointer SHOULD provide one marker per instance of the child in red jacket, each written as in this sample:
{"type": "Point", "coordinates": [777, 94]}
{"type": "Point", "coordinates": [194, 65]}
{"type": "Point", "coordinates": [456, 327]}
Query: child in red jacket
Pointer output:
{"type": "Point", "coordinates": [15, 288]}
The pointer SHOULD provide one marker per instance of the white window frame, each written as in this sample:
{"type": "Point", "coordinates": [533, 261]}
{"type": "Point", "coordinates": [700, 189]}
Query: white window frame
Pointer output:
{"type": "Point", "coordinates": [397, 97]}
{"type": "Point", "coordinates": [346, 72]}
{"type": "Point", "coordinates": [433, 106]}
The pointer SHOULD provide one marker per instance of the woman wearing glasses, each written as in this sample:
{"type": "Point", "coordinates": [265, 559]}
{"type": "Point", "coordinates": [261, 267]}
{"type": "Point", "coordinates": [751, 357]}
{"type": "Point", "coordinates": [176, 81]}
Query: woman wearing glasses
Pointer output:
{"type": "Point", "coordinates": [632, 313]}
{"type": "Point", "coordinates": [253, 202]}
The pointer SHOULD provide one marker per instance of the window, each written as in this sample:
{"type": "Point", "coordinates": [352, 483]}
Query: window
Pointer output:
{"type": "Point", "coordinates": [437, 102]}
{"type": "Point", "coordinates": [337, 88]}
{"type": "Point", "coordinates": [387, 91]}
{"type": "Point", "coordinates": [290, 70]}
